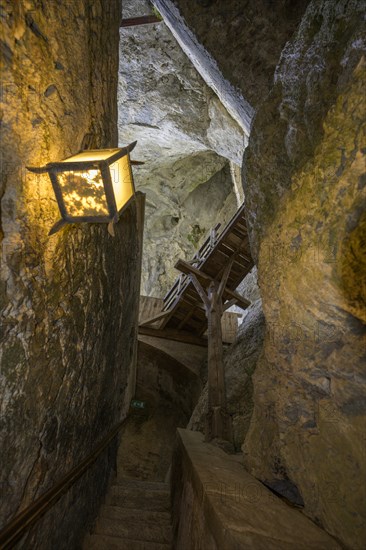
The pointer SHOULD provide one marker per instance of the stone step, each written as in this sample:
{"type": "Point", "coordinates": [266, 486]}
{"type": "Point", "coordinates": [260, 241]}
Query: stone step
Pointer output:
{"type": "Point", "coordinates": [135, 524]}
{"type": "Point", "coordinates": [139, 497]}
{"type": "Point", "coordinates": [141, 484]}
{"type": "Point", "coordinates": [105, 542]}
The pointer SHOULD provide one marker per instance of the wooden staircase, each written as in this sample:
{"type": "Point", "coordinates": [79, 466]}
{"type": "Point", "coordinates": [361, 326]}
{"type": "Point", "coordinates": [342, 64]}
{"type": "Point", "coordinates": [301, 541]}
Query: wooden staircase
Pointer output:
{"type": "Point", "coordinates": [136, 516]}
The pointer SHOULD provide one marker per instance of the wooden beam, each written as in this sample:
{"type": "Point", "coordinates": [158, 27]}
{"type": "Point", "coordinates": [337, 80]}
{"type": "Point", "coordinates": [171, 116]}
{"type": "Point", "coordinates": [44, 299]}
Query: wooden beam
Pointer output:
{"type": "Point", "coordinates": [229, 304]}
{"type": "Point", "coordinates": [199, 290]}
{"type": "Point", "coordinates": [228, 294]}
{"type": "Point", "coordinates": [186, 318]}
{"type": "Point", "coordinates": [225, 275]}
{"type": "Point", "coordinates": [144, 20]}
{"type": "Point", "coordinates": [154, 318]}
{"type": "Point", "coordinates": [173, 334]}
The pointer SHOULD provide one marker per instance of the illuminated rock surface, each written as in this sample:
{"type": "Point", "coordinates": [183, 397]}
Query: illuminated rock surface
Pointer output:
{"type": "Point", "coordinates": [68, 302]}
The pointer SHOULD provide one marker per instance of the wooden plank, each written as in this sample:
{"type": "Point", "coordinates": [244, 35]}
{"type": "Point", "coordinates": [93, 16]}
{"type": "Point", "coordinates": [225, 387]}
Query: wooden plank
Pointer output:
{"type": "Point", "coordinates": [201, 276]}
{"type": "Point", "coordinates": [241, 262]}
{"type": "Point", "coordinates": [149, 307]}
{"type": "Point", "coordinates": [229, 325]}
{"type": "Point", "coordinates": [155, 318]}
{"type": "Point", "coordinates": [239, 216]}
{"type": "Point", "coordinates": [208, 263]}
{"type": "Point", "coordinates": [173, 334]}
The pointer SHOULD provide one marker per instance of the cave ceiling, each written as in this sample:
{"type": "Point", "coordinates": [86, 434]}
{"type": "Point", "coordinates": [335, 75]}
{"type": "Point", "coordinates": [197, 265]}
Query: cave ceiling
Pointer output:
{"type": "Point", "coordinates": [186, 138]}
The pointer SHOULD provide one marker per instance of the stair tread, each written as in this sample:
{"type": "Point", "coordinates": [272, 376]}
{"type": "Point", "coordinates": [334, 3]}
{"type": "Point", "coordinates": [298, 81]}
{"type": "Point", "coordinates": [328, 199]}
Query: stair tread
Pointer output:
{"type": "Point", "coordinates": [141, 484]}
{"type": "Point", "coordinates": [142, 525]}
{"type": "Point", "coordinates": [138, 498]}
{"type": "Point", "coordinates": [122, 512]}
{"type": "Point", "coordinates": [108, 542]}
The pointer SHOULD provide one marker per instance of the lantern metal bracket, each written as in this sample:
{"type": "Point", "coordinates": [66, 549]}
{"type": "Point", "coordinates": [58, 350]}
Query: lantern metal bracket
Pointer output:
{"type": "Point", "coordinates": [37, 169]}
{"type": "Point", "coordinates": [57, 226]}
{"type": "Point", "coordinates": [111, 225]}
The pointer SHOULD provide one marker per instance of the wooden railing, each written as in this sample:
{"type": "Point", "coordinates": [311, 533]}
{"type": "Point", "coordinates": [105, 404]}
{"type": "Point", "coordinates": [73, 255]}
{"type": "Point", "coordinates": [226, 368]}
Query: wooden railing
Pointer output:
{"type": "Point", "coordinates": [182, 280]}
{"type": "Point", "coordinates": [18, 526]}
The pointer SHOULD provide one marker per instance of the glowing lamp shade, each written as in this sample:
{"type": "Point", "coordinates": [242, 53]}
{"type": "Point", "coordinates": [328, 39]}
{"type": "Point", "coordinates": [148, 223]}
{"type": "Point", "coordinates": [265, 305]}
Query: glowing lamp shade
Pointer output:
{"type": "Point", "coordinates": [92, 186]}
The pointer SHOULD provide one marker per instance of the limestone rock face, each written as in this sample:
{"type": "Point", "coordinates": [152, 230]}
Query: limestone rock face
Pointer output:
{"type": "Point", "coordinates": [186, 138]}
{"type": "Point", "coordinates": [304, 176]}
{"type": "Point", "coordinates": [185, 199]}
{"type": "Point", "coordinates": [240, 361]}
{"type": "Point", "coordinates": [68, 302]}
{"type": "Point", "coordinates": [249, 287]}
{"type": "Point", "coordinates": [241, 39]}
{"type": "Point", "coordinates": [162, 100]}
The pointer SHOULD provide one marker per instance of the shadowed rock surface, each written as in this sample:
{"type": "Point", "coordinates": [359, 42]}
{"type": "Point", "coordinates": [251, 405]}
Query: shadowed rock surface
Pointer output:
{"type": "Point", "coordinates": [236, 43]}
{"type": "Point", "coordinates": [170, 392]}
{"type": "Point", "coordinates": [304, 185]}
{"type": "Point", "coordinates": [217, 504]}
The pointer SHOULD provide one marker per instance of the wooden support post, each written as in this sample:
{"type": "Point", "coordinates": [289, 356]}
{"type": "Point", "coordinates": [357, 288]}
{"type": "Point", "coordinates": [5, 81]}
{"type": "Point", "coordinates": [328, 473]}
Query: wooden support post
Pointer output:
{"type": "Point", "coordinates": [218, 421]}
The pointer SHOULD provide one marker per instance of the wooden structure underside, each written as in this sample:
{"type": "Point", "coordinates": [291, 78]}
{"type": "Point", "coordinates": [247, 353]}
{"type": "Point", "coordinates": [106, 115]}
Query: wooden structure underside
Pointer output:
{"type": "Point", "coordinates": [182, 311]}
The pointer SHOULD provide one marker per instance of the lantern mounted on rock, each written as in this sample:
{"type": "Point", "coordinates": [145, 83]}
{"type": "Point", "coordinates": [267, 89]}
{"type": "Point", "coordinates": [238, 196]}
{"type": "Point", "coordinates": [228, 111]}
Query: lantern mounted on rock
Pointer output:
{"type": "Point", "coordinates": [92, 186]}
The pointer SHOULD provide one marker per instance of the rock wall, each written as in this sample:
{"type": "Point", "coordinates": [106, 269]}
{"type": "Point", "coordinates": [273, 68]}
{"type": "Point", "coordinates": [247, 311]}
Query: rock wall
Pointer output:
{"type": "Point", "coordinates": [304, 181]}
{"type": "Point", "coordinates": [68, 302]}
{"type": "Point", "coordinates": [218, 505]}
{"type": "Point", "coordinates": [235, 45]}
{"type": "Point", "coordinates": [163, 101]}
{"type": "Point", "coordinates": [185, 198]}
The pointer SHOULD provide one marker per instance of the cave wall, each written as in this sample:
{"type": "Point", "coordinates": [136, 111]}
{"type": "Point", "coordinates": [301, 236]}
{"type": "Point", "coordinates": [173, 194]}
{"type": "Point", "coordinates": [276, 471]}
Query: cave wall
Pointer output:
{"type": "Point", "coordinates": [185, 198]}
{"type": "Point", "coordinates": [164, 102]}
{"type": "Point", "coordinates": [68, 302]}
{"type": "Point", "coordinates": [304, 181]}
{"type": "Point", "coordinates": [235, 45]}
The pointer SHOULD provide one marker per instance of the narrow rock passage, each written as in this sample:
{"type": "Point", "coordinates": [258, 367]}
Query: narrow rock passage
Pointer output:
{"type": "Point", "coordinates": [136, 513]}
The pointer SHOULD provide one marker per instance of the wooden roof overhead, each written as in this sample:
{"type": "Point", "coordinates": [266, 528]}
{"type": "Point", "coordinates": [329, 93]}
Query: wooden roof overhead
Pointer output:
{"type": "Point", "coordinates": [182, 306]}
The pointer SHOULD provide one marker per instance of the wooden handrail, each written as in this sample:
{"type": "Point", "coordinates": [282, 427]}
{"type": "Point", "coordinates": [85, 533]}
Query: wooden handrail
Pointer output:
{"type": "Point", "coordinates": [18, 526]}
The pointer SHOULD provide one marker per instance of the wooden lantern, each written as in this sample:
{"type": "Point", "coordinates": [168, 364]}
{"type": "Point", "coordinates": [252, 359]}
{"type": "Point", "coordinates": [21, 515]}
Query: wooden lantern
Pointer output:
{"type": "Point", "coordinates": [92, 186]}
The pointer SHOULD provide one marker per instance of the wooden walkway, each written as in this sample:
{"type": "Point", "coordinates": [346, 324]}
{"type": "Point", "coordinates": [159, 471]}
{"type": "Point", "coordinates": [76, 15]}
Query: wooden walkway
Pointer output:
{"type": "Point", "coordinates": [150, 308]}
{"type": "Point", "coordinates": [181, 312]}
